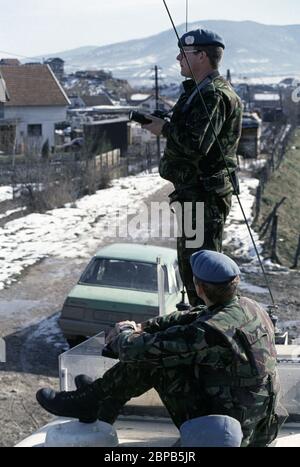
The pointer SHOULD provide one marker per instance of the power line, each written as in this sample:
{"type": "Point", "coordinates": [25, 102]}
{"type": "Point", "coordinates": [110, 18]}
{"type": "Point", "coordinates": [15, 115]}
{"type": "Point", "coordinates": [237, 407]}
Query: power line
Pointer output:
{"type": "Point", "coordinates": [15, 55]}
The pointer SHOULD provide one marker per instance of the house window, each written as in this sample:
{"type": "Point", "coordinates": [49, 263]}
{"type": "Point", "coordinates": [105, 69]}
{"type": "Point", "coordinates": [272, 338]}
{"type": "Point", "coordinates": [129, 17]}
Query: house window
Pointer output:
{"type": "Point", "coordinates": [35, 130]}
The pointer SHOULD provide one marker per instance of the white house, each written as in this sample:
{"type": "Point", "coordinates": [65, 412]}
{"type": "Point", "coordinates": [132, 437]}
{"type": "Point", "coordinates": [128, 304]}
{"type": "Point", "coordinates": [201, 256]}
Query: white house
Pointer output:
{"type": "Point", "coordinates": [140, 136]}
{"type": "Point", "coordinates": [36, 103]}
{"type": "Point", "coordinates": [268, 99]}
{"type": "Point", "coordinates": [147, 103]}
{"type": "Point", "coordinates": [3, 91]}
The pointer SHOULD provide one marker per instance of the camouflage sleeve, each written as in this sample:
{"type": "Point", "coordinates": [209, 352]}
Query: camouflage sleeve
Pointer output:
{"type": "Point", "coordinates": [161, 323]}
{"type": "Point", "coordinates": [197, 137]}
{"type": "Point", "coordinates": [169, 348]}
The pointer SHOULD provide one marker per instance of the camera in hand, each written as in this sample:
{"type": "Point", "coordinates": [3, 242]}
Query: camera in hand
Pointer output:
{"type": "Point", "coordinates": [139, 118]}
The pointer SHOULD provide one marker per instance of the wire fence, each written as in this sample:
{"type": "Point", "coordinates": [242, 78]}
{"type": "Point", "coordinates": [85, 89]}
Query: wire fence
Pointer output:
{"type": "Point", "coordinates": [44, 184]}
{"type": "Point", "coordinates": [276, 146]}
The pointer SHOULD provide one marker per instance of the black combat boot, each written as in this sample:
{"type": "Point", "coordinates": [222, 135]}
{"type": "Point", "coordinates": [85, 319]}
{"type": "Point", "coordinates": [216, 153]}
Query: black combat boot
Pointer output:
{"type": "Point", "coordinates": [82, 404]}
{"type": "Point", "coordinates": [82, 381]}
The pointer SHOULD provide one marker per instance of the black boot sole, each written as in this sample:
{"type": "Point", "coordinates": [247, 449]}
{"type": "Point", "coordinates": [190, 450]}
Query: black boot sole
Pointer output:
{"type": "Point", "coordinates": [49, 409]}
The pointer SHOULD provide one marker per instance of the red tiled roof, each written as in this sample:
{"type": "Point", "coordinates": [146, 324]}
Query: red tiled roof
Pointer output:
{"type": "Point", "coordinates": [9, 61]}
{"type": "Point", "coordinates": [32, 85]}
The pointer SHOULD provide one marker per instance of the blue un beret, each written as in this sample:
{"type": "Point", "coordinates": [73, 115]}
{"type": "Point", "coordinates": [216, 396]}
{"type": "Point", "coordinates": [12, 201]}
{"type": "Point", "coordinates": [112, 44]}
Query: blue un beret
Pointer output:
{"type": "Point", "coordinates": [201, 37]}
{"type": "Point", "coordinates": [213, 267]}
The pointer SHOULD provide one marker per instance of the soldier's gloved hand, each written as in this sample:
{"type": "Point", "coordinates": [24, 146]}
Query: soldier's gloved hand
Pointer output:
{"type": "Point", "coordinates": [156, 126]}
{"type": "Point", "coordinates": [139, 327]}
{"type": "Point", "coordinates": [124, 325]}
{"type": "Point", "coordinates": [120, 327]}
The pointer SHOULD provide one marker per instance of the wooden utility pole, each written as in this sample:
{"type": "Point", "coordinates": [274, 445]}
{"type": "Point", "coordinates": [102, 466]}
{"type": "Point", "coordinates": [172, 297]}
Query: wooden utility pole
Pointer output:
{"type": "Point", "coordinates": [228, 77]}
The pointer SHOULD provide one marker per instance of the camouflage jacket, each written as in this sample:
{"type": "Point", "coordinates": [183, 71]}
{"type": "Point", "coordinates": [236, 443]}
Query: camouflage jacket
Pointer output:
{"type": "Point", "coordinates": [192, 150]}
{"type": "Point", "coordinates": [234, 342]}
{"type": "Point", "coordinates": [217, 360]}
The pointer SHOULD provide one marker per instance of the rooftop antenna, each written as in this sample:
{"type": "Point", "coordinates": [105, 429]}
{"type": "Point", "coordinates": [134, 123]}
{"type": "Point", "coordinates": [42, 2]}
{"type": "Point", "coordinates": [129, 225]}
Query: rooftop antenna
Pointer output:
{"type": "Point", "coordinates": [187, 15]}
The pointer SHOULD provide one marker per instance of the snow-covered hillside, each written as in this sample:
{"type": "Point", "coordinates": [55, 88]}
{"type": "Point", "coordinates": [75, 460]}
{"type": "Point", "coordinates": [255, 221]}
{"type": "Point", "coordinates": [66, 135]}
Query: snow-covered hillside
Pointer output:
{"type": "Point", "coordinates": [252, 49]}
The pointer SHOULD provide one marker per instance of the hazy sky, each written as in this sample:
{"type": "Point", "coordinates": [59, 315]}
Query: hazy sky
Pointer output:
{"type": "Point", "coordinates": [36, 27]}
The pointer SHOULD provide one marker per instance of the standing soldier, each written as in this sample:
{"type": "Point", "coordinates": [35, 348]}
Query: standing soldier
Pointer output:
{"type": "Point", "coordinates": [193, 161]}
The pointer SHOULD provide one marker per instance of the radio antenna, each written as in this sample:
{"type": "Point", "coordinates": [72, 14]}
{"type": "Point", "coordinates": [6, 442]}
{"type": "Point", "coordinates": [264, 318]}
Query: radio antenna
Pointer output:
{"type": "Point", "coordinates": [187, 15]}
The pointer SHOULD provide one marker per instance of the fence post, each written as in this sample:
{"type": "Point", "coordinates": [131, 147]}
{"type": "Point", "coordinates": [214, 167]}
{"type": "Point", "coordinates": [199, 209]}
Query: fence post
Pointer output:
{"type": "Point", "coordinates": [264, 227]}
{"type": "Point", "coordinates": [14, 184]}
{"type": "Point", "coordinates": [295, 265]}
{"type": "Point", "coordinates": [272, 161]}
{"type": "Point", "coordinates": [274, 233]}
{"type": "Point", "coordinates": [127, 164]}
{"type": "Point", "coordinates": [257, 203]}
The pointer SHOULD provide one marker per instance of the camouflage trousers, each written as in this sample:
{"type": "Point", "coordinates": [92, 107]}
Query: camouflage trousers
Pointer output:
{"type": "Point", "coordinates": [182, 396]}
{"type": "Point", "coordinates": [216, 210]}
{"type": "Point", "coordinates": [125, 381]}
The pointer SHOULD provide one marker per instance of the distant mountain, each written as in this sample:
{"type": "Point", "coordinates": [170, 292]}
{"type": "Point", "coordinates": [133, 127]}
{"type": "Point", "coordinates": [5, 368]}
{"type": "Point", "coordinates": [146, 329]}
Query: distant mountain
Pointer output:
{"type": "Point", "coordinates": [253, 49]}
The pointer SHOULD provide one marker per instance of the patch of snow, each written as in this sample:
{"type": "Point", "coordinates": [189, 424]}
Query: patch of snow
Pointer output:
{"type": "Point", "coordinates": [6, 193]}
{"type": "Point", "coordinates": [71, 232]}
{"type": "Point", "coordinates": [253, 288]}
{"type": "Point", "coordinates": [289, 324]}
{"type": "Point", "coordinates": [139, 97]}
{"type": "Point", "coordinates": [253, 267]}
{"type": "Point", "coordinates": [264, 79]}
{"type": "Point", "coordinates": [236, 232]}
{"type": "Point", "coordinates": [49, 330]}
{"type": "Point", "coordinates": [266, 97]}
{"type": "Point", "coordinates": [237, 236]}
{"type": "Point", "coordinates": [250, 164]}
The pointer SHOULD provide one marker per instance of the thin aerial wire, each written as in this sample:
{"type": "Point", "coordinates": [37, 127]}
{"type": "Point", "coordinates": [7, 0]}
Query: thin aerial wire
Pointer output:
{"type": "Point", "coordinates": [187, 15]}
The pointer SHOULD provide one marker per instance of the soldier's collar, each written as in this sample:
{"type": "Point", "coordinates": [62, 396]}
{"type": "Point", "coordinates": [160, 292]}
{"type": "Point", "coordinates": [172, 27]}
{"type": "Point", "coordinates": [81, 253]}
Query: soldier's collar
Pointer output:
{"type": "Point", "coordinates": [189, 84]}
{"type": "Point", "coordinates": [213, 308]}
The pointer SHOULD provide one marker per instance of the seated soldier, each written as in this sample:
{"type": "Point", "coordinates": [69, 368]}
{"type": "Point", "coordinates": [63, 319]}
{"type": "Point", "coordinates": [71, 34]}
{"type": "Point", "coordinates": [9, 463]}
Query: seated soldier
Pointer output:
{"type": "Point", "coordinates": [217, 359]}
